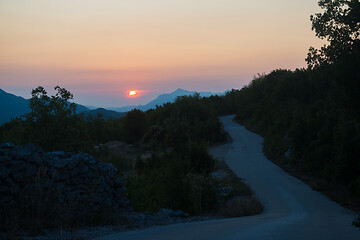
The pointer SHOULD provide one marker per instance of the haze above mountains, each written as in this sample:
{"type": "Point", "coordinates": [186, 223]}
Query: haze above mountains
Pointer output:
{"type": "Point", "coordinates": [12, 106]}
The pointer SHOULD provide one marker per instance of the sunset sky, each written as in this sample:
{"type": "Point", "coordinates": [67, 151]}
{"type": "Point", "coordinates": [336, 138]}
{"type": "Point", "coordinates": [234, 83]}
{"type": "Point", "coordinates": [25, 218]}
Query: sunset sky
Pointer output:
{"type": "Point", "coordinates": [101, 49]}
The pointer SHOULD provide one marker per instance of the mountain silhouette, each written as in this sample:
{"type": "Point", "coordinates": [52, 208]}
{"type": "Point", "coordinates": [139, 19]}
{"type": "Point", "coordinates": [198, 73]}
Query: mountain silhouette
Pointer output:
{"type": "Point", "coordinates": [163, 98]}
{"type": "Point", "coordinates": [12, 106]}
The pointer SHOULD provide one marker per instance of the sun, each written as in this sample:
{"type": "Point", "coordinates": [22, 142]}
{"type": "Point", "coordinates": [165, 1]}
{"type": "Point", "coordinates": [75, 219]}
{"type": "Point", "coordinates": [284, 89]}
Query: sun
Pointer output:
{"type": "Point", "coordinates": [132, 93]}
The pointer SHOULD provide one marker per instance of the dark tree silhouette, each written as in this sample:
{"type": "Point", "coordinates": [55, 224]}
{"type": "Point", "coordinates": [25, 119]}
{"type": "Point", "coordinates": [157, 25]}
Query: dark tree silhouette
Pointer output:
{"type": "Point", "coordinates": [53, 122]}
{"type": "Point", "coordinates": [43, 106]}
{"type": "Point", "coordinates": [339, 24]}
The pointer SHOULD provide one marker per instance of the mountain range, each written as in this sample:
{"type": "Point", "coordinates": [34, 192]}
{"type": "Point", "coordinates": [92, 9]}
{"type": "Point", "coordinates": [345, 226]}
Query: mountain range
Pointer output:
{"type": "Point", "coordinates": [12, 106]}
{"type": "Point", "coordinates": [164, 98]}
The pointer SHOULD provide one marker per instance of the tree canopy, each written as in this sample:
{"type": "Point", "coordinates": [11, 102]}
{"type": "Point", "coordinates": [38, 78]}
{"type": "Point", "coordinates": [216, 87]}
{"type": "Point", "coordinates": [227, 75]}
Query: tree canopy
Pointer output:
{"type": "Point", "coordinates": [339, 24]}
{"type": "Point", "coordinates": [42, 106]}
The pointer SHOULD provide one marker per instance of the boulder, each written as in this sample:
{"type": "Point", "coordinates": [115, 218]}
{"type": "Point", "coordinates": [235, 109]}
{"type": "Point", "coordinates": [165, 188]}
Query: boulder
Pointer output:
{"type": "Point", "coordinates": [173, 213]}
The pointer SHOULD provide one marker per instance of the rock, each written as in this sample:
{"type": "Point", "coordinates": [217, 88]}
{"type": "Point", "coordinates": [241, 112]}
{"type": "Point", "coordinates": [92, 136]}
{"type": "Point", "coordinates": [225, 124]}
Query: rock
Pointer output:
{"type": "Point", "coordinates": [181, 214]}
{"type": "Point", "coordinates": [59, 163]}
{"type": "Point", "coordinates": [6, 200]}
{"type": "Point", "coordinates": [289, 152]}
{"type": "Point", "coordinates": [219, 174]}
{"type": "Point", "coordinates": [73, 163]}
{"type": "Point", "coordinates": [17, 169]}
{"type": "Point", "coordinates": [116, 146]}
{"type": "Point", "coordinates": [70, 182]}
{"type": "Point", "coordinates": [36, 158]}
{"type": "Point", "coordinates": [24, 152]}
{"type": "Point", "coordinates": [57, 154]}
{"type": "Point", "coordinates": [173, 213]}
{"type": "Point", "coordinates": [4, 172]}
{"type": "Point", "coordinates": [31, 170]}
{"type": "Point", "coordinates": [4, 159]}
{"type": "Point", "coordinates": [7, 146]}
{"type": "Point", "coordinates": [63, 174]}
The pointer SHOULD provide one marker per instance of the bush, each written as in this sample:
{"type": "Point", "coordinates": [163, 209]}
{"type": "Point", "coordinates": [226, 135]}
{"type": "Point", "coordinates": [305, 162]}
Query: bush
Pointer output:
{"type": "Point", "coordinates": [170, 181]}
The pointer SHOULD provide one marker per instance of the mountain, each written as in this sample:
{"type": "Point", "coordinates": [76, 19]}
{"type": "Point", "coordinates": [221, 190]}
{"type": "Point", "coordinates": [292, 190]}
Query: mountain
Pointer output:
{"type": "Point", "coordinates": [91, 107]}
{"type": "Point", "coordinates": [163, 98]}
{"type": "Point", "coordinates": [12, 106]}
{"type": "Point", "coordinates": [81, 108]}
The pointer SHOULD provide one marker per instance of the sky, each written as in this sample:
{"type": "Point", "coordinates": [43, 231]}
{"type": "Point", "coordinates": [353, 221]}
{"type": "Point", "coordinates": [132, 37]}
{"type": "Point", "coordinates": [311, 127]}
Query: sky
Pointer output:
{"type": "Point", "coordinates": [101, 49]}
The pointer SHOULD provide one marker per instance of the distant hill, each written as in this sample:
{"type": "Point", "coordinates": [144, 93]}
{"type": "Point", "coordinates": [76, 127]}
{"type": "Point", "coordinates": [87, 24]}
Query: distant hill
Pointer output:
{"type": "Point", "coordinates": [12, 106]}
{"type": "Point", "coordinates": [106, 114]}
{"type": "Point", "coordinates": [91, 107]}
{"type": "Point", "coordinates": [81, 108]}
{"type": "Point", "coordinates": [163, 98]}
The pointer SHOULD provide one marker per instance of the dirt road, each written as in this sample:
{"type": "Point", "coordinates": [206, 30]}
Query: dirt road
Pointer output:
{"type": "Point", "coordinates": [292, 209]}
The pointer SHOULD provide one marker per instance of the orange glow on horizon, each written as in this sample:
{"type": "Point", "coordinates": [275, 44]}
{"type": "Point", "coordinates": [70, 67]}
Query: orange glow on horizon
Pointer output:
{"type": "Point", "coordinates": [132, 93]}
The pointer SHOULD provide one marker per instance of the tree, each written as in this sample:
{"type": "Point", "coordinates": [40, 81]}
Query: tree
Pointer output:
{"type": "Point", "coordinates": [44, 107]}
{"type": "Point", "coordinates": [339, 24]}
{"type": "Point", "coordinates": [53, 122]}
{"type": "Point", "coordinates": [135, 125]}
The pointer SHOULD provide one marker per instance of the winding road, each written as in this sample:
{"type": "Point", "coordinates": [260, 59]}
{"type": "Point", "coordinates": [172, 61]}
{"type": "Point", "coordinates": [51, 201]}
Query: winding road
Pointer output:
{"type": "Point", "coordinates": [292, 209]}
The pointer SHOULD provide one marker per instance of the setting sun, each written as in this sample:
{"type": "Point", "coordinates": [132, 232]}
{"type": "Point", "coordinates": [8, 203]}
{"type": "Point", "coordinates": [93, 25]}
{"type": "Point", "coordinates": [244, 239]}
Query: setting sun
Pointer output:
{"type": "Point", "coordinates": [132, 93]}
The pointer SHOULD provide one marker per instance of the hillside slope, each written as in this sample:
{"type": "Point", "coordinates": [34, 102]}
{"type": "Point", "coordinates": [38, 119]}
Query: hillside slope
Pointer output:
{"type": "Point", "coordinates": [12, 106]}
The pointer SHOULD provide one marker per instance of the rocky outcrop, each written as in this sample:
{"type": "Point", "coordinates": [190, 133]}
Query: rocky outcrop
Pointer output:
{"type": "Point", "coordinates": [73, 184]}
{"type": "Point", "coordinates": [116, 146]}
